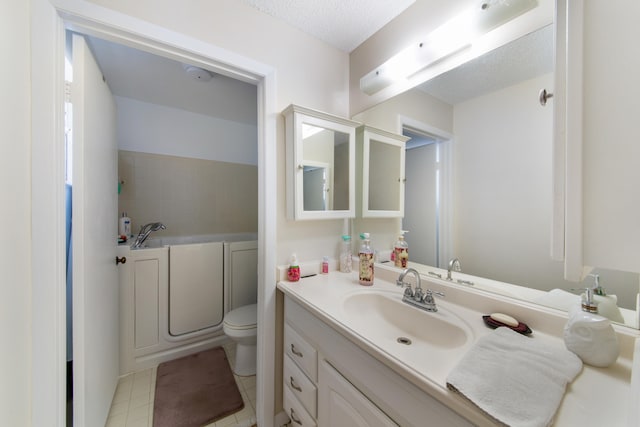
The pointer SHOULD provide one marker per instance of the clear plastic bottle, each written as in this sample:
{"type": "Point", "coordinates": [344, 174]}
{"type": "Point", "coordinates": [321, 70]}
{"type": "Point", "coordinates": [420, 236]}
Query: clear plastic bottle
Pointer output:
{"type": "Point", "coordinates": [346, 263]}
{"type": "Point", "coordinates": [366, 261]}
{"type": "Point", "coordinates": [401, 251]}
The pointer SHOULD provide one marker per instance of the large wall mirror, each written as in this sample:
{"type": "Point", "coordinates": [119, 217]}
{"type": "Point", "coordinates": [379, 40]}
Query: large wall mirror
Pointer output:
{"type": "Point", "coordinates": [484, 176]}
{"type": "Point", "coordinates": [320, 164]}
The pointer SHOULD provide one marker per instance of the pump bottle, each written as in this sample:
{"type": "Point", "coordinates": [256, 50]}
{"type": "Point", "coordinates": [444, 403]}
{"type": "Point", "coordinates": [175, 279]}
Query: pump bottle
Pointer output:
{"type": "Point", "coordinates": [401, 251]}
{"type": "Point", "coordinates": [365, 256]}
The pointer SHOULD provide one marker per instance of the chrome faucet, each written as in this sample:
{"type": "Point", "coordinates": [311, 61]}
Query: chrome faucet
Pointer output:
{"type": "Point", "coordinates": [454, 265]}
{"type": "Point", "coordinates": [145, 231]}
{"type": "Point", "coordinates": [420, 298]}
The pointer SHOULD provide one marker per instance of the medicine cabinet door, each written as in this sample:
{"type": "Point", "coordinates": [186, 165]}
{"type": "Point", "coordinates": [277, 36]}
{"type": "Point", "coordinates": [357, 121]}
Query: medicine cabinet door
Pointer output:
{"type": "Point", "coordinates": [383, 177]}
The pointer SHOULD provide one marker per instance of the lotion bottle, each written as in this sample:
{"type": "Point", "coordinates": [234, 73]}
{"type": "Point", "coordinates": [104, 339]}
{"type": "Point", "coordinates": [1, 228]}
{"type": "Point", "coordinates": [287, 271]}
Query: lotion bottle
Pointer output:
{"type": "Point", "coordinates": [590, 336]}
{"type": "Point", "coordinates": [293, 273]}
{"type": "Point", "coordinates": [124, 227]}
{"type": "Point", "coordinates": [365, 256]}
{"type": "Point", "coordinates": [401, 251]}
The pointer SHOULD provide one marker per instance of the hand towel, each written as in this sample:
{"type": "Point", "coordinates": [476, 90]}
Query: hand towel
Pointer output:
{"type": "Point", "coordinates": [517, 380]}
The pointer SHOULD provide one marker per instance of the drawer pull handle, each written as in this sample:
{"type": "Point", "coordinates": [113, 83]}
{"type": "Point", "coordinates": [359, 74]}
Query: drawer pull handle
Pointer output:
{"type": "Point", "coordinates": [295, 386]}
{"type": "Point", "coordinates": [296, 352]}
{"type": "Point", "coordinates": [293, 417]}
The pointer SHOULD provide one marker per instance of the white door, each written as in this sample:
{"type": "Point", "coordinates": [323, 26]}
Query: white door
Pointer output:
{"type": "Point", "coordinates": [95, 278]}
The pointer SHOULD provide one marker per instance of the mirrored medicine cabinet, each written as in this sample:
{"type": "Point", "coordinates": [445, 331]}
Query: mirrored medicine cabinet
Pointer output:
{"type": "Point", "coordinates": [381, 178]}
{"type": "Point", "coordinates": [320, 164]}
{"type": "Point", "coordinates": [337, 168]}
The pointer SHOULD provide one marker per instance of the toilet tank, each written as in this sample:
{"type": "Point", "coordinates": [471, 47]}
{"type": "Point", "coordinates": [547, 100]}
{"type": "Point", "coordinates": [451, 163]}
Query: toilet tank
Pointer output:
{"type": "Point", "coordinates": [241, 273]}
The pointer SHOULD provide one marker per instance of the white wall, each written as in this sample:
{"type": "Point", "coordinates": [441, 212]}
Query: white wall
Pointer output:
{"type": "Point", "coordinates": [151, 128]}
{"type": "Point", "coordinates": [415, 105]}
{"type": "Point", "coordinates": [611, 133]}
{"type": "Point", "coordinates": [502, 186]}
{"type": "Point", "coordinates": [309, 73]}
{"type": "Point", "coordinates": [15, 255]}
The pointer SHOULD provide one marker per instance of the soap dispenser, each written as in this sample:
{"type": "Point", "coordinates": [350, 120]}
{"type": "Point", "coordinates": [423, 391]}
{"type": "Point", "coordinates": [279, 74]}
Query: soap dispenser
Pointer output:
{"type": "Point", "coordinates": [590, 336]}
{"type": "Point", "coordinates": [401, 251]}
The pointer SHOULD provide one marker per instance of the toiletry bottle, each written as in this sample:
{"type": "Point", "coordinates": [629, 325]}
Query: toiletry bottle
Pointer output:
{"type": "Point", "coordinates": [590, 336]}
{"type": "Point", "coordinates": [345, 254]}
{"type": "Point", "coordinates": [401, 251]}
{"type": "Point", "coordinates": [366, 261]}
{"type": "Point", "coordinates": [124, 227]}
{"type": "Point", "coordinates": [293, 273]}
{"type": "Point", "coordinates": [325, 265]}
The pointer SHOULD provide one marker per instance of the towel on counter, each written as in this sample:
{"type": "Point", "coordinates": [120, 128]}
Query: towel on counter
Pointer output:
{"type": "Point", "coordinates": [517, 380]}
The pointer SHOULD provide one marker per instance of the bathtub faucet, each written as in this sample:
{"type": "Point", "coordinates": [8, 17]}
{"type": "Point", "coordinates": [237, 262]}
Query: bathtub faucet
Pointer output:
{"type": "Point", "coordinates": [145, 231]}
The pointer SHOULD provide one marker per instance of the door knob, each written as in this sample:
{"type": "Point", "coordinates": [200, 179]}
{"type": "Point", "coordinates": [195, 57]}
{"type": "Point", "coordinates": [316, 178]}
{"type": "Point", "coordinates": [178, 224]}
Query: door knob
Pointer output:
{"type": "Point", "coordinates": [121, 260]}
{"type": "Point", "coordinates": [544, 97]}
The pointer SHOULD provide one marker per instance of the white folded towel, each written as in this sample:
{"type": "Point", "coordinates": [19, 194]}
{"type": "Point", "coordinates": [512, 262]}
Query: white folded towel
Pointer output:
{"type": "Point", "coordinates": [517, 380]}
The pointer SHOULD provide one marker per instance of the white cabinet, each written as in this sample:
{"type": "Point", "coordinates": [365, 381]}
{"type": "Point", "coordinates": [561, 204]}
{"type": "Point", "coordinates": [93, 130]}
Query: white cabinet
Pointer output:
{"type": "Point", "coordinates": [381, 178]}
{"type": "Point", "coordinates": [300, 373]}
{"type": "Point", "coordinates": [344, 405]}
{"type": "Point", "coordinates": [351, 387]}
{"type": "Point", "coordinates": [320, 164]}
{"type": "Point", "coordinates": [596, 184]}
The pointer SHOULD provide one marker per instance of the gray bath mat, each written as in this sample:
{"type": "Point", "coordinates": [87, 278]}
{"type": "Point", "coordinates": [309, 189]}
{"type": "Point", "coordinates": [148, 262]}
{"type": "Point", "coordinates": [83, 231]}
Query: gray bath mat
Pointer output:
{"type": "Point", "coordinates": [195, 390]}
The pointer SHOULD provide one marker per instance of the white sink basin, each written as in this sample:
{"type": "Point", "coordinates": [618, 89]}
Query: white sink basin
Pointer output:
{"type": "Point", "coordinates": [382, 316]}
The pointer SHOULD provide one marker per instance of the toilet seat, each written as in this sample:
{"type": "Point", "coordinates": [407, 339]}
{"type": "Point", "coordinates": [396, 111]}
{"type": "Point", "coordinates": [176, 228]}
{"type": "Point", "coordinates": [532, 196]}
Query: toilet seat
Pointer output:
{"type": "Point", "coordinates": [245, 317]}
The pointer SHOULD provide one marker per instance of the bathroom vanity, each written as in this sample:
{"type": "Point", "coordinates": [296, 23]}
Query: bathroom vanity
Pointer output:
{"type": "Point", "coordinates": [357, 355]}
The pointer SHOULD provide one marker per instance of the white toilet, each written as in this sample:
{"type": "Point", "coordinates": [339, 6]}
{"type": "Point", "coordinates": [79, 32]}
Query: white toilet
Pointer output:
{"type": "Point", "coordinates": [241, 326]}
{"type": "Point", "coordinates": [240, 323]}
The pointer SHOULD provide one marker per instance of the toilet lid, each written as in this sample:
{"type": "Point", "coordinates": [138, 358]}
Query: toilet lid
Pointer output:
{"type": "Point", "coordinates": [244, 317]}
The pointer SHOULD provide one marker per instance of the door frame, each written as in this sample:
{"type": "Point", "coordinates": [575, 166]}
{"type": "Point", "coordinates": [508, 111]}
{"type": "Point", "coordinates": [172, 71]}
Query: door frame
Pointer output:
{"type": "Point", "coordinates": [50, 19]}
{"type": "Point", "coordinates": [446, 245]}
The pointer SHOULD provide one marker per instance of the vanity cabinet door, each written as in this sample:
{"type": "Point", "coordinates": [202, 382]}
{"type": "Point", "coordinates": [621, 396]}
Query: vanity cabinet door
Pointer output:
{"type": "Point", "coordinates": [381, 161]}
{"type": "Point", "coordinates": [341, 404]}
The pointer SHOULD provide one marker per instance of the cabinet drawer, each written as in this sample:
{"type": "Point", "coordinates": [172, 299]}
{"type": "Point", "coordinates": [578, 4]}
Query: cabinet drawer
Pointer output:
{"type": "Point", "coordinates": [299, 416]}
{"type": "Point", "coordinates": [300, 386]}
{"type": "Point", "coordinates": [301, 352]}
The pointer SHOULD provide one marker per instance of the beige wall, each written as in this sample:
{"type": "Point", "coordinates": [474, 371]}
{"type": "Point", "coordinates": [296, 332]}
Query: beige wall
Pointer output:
{"type": "Point", "coordinates": [15, 255]}
{"type": "Point", "coordinates": [189, 196]}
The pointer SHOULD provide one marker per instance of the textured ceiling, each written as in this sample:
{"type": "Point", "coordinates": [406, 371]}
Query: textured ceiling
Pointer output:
{"type": "Point", "coordinates": [344, 24]}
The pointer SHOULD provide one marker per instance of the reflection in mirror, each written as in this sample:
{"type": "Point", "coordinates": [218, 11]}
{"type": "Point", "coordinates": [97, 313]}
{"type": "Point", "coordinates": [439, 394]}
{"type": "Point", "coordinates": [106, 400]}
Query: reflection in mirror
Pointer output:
{"type": "Point", "coordinates": [384, 191]}
{"type": "Point", "coordinates": [325, 169]}
{"type": "Point", "coordinates": [500, 190]}
{"type": "Point", "coordinates": [315, 181]}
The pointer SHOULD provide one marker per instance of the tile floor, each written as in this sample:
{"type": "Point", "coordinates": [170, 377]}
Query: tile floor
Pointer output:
{"type": "Point", "coordinates": [132, 404]}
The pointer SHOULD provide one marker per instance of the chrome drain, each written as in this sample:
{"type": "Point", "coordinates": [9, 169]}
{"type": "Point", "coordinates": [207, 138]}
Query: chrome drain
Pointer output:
{"type": "Point", "coordinates": [404, 340]}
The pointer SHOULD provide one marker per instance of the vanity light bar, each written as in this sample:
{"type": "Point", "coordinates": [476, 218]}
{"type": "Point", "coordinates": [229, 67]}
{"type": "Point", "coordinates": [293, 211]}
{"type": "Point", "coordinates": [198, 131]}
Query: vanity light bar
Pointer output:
{"type": "Point", "coordinates": [449, 38]}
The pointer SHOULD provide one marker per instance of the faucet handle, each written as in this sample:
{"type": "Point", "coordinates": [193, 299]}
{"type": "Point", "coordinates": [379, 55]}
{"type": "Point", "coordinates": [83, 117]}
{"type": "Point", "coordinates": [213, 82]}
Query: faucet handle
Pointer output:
{"type": "Point", "coordinates": [430, 293]}
{"type": "Point", "coordinates": [408, 292]}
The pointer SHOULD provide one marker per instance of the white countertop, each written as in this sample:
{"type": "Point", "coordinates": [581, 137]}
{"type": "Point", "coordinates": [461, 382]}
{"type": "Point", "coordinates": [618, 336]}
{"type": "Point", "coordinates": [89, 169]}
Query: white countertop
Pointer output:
{"type": "Point", "coordinates": [597, 397]}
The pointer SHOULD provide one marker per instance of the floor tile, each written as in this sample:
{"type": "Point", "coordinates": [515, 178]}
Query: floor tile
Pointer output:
{"type": "Point", "coordinates": [132, 405]}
